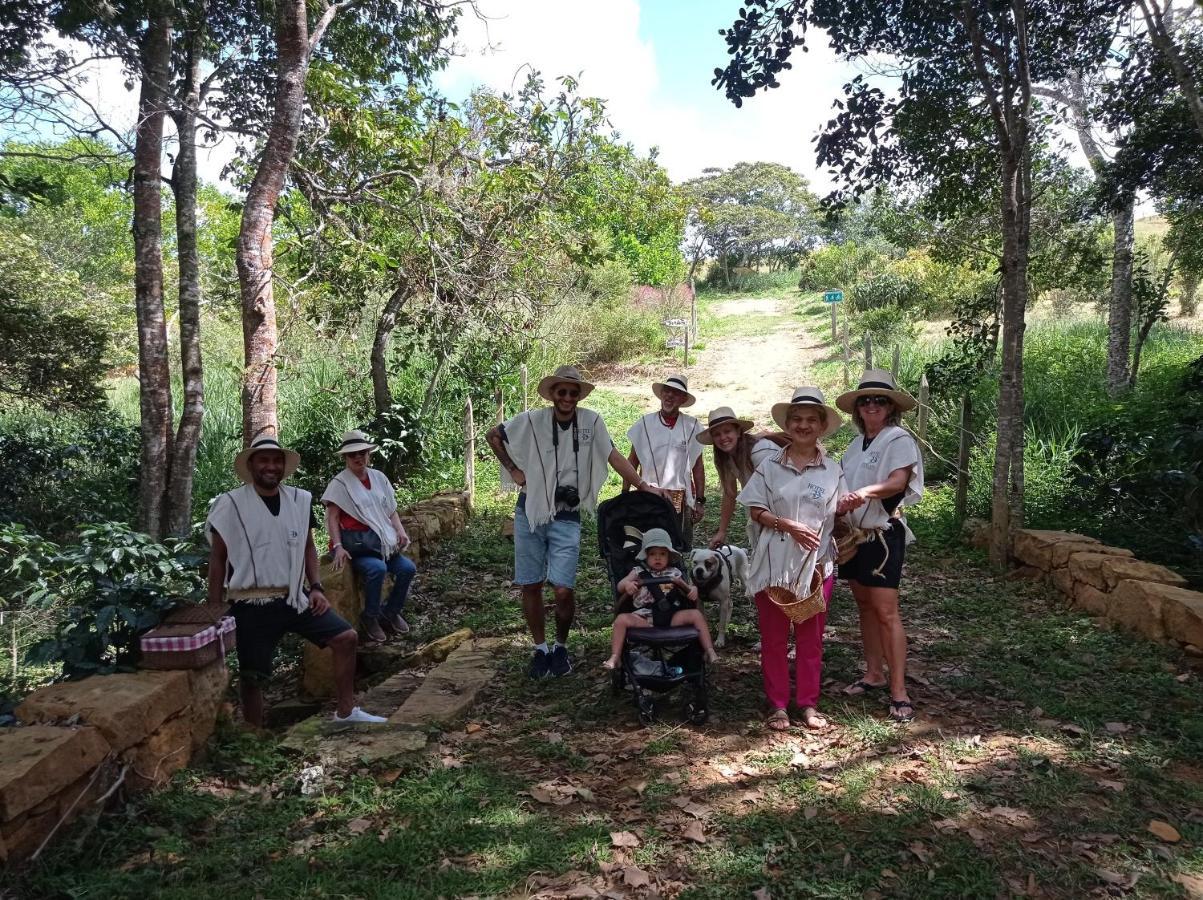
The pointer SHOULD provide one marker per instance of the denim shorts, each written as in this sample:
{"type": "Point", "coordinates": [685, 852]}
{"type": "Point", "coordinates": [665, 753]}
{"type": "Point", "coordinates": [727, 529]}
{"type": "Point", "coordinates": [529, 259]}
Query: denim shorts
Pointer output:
{"type": "Point", "coordinates": [549, 553]}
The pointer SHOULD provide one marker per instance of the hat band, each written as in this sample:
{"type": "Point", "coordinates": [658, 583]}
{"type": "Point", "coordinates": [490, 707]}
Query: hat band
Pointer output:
{"type": "Point", "coordinates": [806, 398]}
{"type": "Point", "coordinates": [350, 441]}
{"type": "Point", "coordinates": [720, 421]}
{"type": "Point", "coordinates": [875, 384]}
{"type": "Point", "coordinates": [674, 383]}
{"type": "Point", "coordinates": [265, 444]}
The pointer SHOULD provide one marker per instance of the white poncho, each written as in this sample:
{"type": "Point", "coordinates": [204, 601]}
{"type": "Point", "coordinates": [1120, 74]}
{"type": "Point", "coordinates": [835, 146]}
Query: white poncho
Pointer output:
{"type": "Point", "coordinates": [265, 551]}
{"type": "Point", "coordinates": [373, 508]}
{"type": "Point", "coordinates": [666, 455]}
{"type": "Point", "coordinates": [893, 448]}
{"type": "Point", "coordinates": [529, 443]}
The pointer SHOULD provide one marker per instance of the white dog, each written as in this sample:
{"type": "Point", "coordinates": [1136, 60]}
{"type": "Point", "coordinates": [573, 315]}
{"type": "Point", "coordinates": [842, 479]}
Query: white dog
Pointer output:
{"type": "Point", "coordinates": [715, 573]}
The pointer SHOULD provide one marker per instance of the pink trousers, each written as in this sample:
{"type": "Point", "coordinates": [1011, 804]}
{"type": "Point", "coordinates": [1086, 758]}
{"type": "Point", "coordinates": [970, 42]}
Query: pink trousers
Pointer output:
{"type": "Point", "coordinates": [774, 652]}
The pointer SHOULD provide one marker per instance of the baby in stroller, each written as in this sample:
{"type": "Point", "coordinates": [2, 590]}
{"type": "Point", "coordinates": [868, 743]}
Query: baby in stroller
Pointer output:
{"type": "Point", "coordinates": [660, 597]}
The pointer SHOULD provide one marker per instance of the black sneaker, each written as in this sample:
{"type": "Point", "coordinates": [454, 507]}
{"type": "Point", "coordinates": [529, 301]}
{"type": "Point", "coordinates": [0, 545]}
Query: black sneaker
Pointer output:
{"type": "Point", "coordinates": [540, 663]}
{"type": "Point", "coordinates": [560, 664]}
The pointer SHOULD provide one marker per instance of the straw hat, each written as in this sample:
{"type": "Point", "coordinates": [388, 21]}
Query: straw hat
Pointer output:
{"type": "Point", "coordinates": [677, 383]}
{"type": "Point", "coordinates": [876, 383]}
{"type": "Point", "coordinates": [657, 537]}
{"type": "Point", "coordinates": [564, 375]}
{"type": "Point", "coordinates": [808, 395]}
{"type": "Point", "coordinates": [354, 441]}
{"type": "Point", "coordinates": [292, 459]}
{"type": "Point", "coordinates": [720, 416]}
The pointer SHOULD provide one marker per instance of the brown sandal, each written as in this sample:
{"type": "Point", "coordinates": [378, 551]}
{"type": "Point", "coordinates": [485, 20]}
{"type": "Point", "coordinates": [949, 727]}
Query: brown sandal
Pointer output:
{"type": "Point", "coordinates": [778, 720]}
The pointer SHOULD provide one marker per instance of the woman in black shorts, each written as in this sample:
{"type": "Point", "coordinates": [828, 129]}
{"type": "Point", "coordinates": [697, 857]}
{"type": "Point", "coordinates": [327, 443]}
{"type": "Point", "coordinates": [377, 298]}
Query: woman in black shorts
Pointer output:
{"type": "Point", "coordinates": [884, 473]}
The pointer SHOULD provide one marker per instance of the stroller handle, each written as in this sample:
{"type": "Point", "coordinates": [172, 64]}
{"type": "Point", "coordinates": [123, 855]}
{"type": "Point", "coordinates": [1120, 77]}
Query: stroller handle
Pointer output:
{"type": "Point", "coordinates": [658, 579]}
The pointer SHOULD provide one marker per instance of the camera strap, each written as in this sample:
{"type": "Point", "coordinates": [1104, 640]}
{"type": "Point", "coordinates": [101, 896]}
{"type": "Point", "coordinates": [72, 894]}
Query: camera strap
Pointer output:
{"type": "Point", "coordinates": [576, 449]}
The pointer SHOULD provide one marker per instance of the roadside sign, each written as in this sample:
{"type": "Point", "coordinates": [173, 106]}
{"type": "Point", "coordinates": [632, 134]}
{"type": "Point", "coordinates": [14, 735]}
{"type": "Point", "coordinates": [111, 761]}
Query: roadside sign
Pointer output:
{"type": "Point", "coordinates": [675, 343]}
{"type": "Point", "coordinates": [833, 296]}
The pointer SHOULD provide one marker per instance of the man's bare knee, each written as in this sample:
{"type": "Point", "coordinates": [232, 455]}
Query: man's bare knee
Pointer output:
{"type": "Point", "coordinates": [344, 642]}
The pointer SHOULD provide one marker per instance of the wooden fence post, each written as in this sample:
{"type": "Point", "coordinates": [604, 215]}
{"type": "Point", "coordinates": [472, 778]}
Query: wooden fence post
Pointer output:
{"type": "Point", "coordinates": [525, 402]}
{"type": "Point", "coordinates": [693, 311]}
{"type": "Point", "coordinates": [834, 321]}
{"type": "Point", "coordinates": [923, 409]}
{"type": "Point", "coordinates": [499, 399]}
{"type": "Point", "coordinates": [469, 454]}
{"type": "Point", "coordinates": [847, 357]}
{"type": "Point", "coordinates": [897, 360]}
{"type": "Point", "coordinates": [962, 497]}
{"type": "Point", "coordinates": [868, 350]}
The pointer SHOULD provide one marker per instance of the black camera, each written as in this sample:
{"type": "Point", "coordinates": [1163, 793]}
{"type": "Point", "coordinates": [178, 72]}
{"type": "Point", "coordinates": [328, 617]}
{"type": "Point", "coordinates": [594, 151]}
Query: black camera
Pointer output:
{"type": "Point", "coordinates": [568, 495]}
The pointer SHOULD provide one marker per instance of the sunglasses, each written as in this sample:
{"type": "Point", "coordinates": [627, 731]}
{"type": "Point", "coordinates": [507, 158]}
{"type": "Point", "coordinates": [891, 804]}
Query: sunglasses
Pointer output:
{"type": "Point", "coordinates": [358, 453]}
{"type": "Point", "coordinates": [568, 393]}
{"type": "Point", "coordinates": [873, 401]}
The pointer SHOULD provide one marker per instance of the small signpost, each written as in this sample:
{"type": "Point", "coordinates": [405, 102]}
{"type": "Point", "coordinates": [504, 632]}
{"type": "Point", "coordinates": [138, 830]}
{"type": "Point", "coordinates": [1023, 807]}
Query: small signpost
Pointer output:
{"type": "Point", "coordinates": [678, 331]}
{"type": "Point", "coordinates": [833, 297]}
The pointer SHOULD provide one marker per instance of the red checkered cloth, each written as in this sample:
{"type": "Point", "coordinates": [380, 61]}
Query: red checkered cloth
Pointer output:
{"type": "Point", "coordinates": [192, 641]}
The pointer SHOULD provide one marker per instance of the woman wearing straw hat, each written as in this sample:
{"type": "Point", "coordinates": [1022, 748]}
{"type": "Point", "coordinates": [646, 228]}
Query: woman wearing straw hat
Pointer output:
{"type": "Point", "coordinates": [793, 496]}
{"type": "Point", "coordinates": [737, 453]}
{"type": "Point", "coordinates": [361, 517]}
{"type": "Point", "coordinates": [884, 472]}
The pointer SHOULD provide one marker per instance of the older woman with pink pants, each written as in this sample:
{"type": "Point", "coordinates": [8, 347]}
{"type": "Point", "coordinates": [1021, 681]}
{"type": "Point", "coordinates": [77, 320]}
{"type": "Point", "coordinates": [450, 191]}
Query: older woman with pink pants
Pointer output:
{"type": "Point", "coordinates": [792, 496]}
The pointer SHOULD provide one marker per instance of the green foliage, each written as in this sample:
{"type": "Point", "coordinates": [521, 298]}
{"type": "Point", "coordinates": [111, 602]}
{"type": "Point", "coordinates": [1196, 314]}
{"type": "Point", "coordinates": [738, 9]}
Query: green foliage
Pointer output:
{"type": "Point", "coordinates": [837, 266]}
{"type": "Point", "coordinates": [889, 325]}
{"type": "Point", "coordinates": [111, 585]}
{"type": "Point", "coordinates": [58, 470]}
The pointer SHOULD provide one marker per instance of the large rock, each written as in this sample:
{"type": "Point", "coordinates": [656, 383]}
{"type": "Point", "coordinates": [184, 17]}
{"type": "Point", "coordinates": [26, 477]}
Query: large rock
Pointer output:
{"type": "Point", "coordinates": [346, 599]}
{"type": "Point", "coordinates": [1116, 569]}
{"type": "Point", "coordinates": [1064, 582]}
{"type": "Point", "coordinates": [1181, 613]}
{"type": "Point", "coordinates": [126, 707]}
{"type": "Point", "coordinates": [1088, 567]}
{"type": "Point", "coordinates": [1033, 546]}
{"type": "Point", "coordinates": [207, 688]}
{"type": "Point", "coordinates": [1089, 599]}
{"type": "Point", "coordinates": [1136, 606]}
{"type": "Point", "coordinates": [39, 761]}
{"type": "Point", "coordinates": [450, 689]}
{"type": "Point", "coordinates": [161, 755]}
{"type": "Point", "coordinates": [1060, 554]}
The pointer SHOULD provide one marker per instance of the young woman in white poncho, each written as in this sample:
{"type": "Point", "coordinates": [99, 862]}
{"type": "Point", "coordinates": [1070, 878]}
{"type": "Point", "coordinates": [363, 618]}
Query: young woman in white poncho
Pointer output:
{"type": "Point", "coordinates": [366, 531]}
{"type": "Point", "coordinates": [884, 472]}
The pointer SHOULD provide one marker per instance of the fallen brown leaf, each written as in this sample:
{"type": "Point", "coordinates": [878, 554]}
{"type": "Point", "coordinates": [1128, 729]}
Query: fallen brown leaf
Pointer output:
{"type": "Point", "coordinates": [1115, 727]}
{"type": "Point", "coordinates": [472, 727]}
{"type": "Point", "coordinates": [359, 826]}
{"type": "Point", "coordinates": [1165, 831]}
{"type": "Point", "coordinates": [634, 876]}
{"type": "Point", "coordinates": [624, 839]}
{"type": "Point", "coordinates": [693, 832]}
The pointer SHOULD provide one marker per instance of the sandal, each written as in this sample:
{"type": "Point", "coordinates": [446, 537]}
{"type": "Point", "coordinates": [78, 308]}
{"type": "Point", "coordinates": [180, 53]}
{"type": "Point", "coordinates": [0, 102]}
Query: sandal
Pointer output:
{"type": "Point", "coordinates": [902, 710]}
{"type": "Point", "coordinates": [778, 720]}
{"type": "Point", "coordinates": [813, 719]}
{"type": "Point", "coordinates": [863, 687]}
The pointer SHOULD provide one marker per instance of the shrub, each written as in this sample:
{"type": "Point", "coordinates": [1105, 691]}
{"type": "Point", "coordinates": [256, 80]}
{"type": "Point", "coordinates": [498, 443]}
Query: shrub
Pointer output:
{"type": "Point", "coordinates": [108, 589]}
{"type": "Point", "coordinates": [837, 266]}
{"type": "Point", "coordinates": [888, 325]}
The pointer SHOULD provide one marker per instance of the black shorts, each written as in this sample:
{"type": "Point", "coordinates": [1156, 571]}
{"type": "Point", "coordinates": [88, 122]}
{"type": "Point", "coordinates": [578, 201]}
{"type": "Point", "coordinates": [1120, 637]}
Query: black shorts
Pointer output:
{"type": "Point", "coordinates": [871, 554]}
{"type": "Point", "coordinates": [261, 625]}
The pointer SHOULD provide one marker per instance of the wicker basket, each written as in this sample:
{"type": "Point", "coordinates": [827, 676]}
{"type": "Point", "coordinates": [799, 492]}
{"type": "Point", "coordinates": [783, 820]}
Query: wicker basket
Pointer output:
{"type": "Point", "coordinates": [799, 609]}
{"type": "Point", "coordinates": [847, 538]}
{"type": "Point", "coordinates": [187, 646]}
{"type": "Point", "coordinates": [197, 614]}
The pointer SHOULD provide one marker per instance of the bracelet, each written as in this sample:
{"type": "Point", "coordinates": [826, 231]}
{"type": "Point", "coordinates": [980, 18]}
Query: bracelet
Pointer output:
{"type": "Point", "coordinates": [316, 586]}
{"type": "Point", "coordinates": [335, 546]}
{"type": "Point", "coordinates": [699, 501]}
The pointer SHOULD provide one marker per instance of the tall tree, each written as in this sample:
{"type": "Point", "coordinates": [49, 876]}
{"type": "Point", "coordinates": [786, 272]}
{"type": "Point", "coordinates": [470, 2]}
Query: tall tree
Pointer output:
{"type": "Point", "coordinates": [962, 121]}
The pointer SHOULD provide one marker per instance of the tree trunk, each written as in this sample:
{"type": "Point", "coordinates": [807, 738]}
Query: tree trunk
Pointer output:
{"type": "Point", "coordinates": [183, 184]}
{"type": "Point", "coordinates": [154, 375]}
{"type": "Point", "coordinates": [1187, 304]}
{"type": "Point", "coordinates": [1161, 34]}
{"type": "Point", "coordinates": [1119, 316]}
{"type": "Point", "coordinates": [255, 236]}
{"type": "Point", "coordinates": [382, 394]}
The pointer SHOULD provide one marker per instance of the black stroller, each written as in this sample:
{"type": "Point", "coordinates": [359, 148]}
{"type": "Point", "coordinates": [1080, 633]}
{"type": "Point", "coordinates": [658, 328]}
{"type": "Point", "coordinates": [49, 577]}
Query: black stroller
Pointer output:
{"type": "Point", "coordinates": [675, 653]}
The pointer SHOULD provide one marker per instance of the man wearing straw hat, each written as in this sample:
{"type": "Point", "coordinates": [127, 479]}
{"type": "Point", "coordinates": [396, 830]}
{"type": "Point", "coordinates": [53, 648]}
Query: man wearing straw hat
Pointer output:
{"type": "Point", "coordinates": [261, 558]}
{"type": "Point", "coordinates": [558, 456]}
{"type": "Point", "coordinates": [665, 448]}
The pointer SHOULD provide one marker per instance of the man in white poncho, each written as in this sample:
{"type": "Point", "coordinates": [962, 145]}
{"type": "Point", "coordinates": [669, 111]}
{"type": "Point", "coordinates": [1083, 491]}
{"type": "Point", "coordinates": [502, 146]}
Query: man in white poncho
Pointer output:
{"type": "Point", "coordinates": [559, 457]}
{"type": "Point", "coordinates": [665, 450]}
{"type": "Point", "coordinates": [261, 558]}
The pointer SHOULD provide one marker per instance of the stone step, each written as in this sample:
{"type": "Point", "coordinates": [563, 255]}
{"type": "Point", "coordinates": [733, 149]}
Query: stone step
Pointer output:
{"type": "Point", "coordinates": [450, 690]}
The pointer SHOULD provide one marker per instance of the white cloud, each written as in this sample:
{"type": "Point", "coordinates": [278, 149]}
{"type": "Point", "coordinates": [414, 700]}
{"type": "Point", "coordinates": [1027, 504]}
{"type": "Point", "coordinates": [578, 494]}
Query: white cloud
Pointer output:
{"type": "Point", "coordinates": [600, 40]}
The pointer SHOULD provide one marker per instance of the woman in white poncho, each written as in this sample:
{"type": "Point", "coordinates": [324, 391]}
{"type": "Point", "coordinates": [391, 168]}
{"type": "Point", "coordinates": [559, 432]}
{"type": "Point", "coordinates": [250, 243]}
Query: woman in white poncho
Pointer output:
{"type": "Point", "coordinates": [792, 496]}
{"type": "Point", "coordinates": [365, 530]}
{"type": "Point", "coordinates": [884, 472]}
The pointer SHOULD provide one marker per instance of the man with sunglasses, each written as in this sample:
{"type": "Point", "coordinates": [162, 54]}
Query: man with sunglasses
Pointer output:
{"type": "Point", "coordinates": [559, 457]}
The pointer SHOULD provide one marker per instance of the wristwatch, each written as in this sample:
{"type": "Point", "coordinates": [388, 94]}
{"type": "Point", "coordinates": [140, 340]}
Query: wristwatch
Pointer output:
{"type": "Point", "coordinates": [316, 586]}
{"type": "Point", "coordinates": [699, 501]}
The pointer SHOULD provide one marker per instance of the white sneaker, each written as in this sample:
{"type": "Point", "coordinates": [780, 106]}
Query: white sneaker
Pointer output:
{"type": "Point", "coordinates": [358, 715]}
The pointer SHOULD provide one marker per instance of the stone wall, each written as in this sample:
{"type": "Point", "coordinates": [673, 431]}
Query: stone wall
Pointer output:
{"type": "Point", "coordinates": [1111, 583]}
{"type": "Point", "coordinates": [426, 522]}
{"type": "Point", "coordinates": [78, 739]}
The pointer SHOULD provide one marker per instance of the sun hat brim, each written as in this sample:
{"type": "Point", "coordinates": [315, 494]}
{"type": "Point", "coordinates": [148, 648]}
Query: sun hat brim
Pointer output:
{"type": "Point", "coordinates": [834, 420]}
{"type": "Point", "coordinates": [658, 389]}
{"type": "Point", "coordinates": [355, 447]}
{"type": "Point", "coordinates": [292, 461]}
{"type": "Point", "coordinates": [706, 438]}
{"type": "Point", "coordinates": [547, 384]}
{"type": "Point", "coordinates": [901, 399]}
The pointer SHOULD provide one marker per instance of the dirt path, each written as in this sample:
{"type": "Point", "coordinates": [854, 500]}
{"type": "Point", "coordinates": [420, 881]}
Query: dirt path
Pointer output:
{"type": "Point", "coordinates": [749, 370]}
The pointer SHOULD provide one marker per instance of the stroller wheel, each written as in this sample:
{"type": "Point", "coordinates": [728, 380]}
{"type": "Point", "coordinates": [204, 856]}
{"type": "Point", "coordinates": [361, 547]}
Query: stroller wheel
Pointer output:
{"type": "Point", "coordinates": [697, 715]}
{"type": "Point", "coordinates": [647, 711]}
{"type": "Point", "coordinates": [618, 680]}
